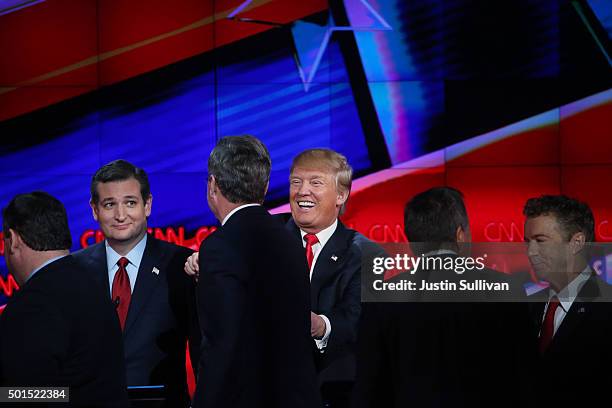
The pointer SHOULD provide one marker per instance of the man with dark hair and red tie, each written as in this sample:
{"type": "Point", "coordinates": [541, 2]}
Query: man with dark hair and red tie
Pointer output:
{"type": "Point", "coordinates": [143, 276]}
{"type": "Point", "coordinates": [574, 330]}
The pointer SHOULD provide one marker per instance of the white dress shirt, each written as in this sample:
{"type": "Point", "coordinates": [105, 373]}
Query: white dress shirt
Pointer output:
{"type": "Point", "coordinates": [323, 236]}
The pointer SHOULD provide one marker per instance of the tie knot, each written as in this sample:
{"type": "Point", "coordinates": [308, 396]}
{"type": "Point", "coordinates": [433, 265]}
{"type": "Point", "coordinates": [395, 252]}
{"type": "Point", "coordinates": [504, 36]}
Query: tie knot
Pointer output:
{"type": "Point", "coordinates": [123, 262]}
{"type": "Point", "coordinates": [311, 239]}
{"type": "Point", "coordinates": [553, 303]}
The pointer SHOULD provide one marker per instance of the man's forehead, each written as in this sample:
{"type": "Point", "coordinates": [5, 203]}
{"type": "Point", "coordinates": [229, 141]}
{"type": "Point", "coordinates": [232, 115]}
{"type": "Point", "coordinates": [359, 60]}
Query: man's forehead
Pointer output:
{"type": "Point", "coordinates": [119, 189]}
{"type": "Point", "coordinates": [313, 171]}
{"type": "Point", "coordinates": [543, 223]}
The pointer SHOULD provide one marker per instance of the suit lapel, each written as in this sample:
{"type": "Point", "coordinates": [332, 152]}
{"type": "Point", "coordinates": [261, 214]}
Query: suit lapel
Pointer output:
{"type": "Point", "coordinates": [328, 261]}
{"type": "Point", "coordinates": [146, 281]}
{"type": "Point", "coordinates": [580, 309]}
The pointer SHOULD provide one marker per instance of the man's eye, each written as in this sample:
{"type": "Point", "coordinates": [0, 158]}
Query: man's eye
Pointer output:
{"type": "Point", "coordinates": [131, 203]}
{"type": "Point", "coordinates": [108, 206]}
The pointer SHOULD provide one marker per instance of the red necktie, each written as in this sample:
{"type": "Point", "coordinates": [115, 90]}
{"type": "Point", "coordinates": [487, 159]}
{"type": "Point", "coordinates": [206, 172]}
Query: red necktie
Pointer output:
{"type": "Point", "coordinates": [121, 291]}
{"type": "Point", "coordinates": [310, 239]}
{"type": "Point", "coordinates": [548, 327]}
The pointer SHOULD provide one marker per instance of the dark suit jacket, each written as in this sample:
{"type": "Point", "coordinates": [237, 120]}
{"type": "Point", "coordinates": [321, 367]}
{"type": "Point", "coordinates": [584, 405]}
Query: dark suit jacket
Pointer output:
{"type": "Point", "coordinates": [574, 368]}
{"type": "Point", "coordinates": [335, 291]}
{"type": "Point", "coordinates": [58, 330]}
{"type": "Point", "coordinates": [442, 354]}
{"type": "Point", "coordinates": [254, 311]}
{"type": "Point", "coordinates": [160, 319]}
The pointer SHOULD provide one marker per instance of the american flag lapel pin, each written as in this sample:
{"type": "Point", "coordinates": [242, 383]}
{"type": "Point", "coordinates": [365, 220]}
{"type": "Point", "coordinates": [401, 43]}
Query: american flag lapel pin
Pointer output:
{"type": "Point", "coordinates": [334, 258]}
{"type": "Point", "coordinates": [155, 270]}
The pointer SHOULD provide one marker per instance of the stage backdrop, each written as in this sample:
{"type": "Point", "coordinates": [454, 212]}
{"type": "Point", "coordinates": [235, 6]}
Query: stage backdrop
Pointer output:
{"type": "Point", "coordinates": [504, 101]}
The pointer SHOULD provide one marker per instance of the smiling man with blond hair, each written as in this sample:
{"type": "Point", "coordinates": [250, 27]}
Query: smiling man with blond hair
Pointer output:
{"type": "Point", "coordinates": [320, 184]}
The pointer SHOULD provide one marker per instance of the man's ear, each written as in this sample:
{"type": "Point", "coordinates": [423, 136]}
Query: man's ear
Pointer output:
{"type": "Point", "coordinates": [13, 241]}
{"type": "Point", "coordinates": [341, 197]}
{"type": "Point", "coordinates": [577, 242]}
{"type": "Point", "coordinates": [460, 234]}
{"type": "Point", "coordinates": [94, 209]}
{"type": "Point", "coordinates": [148, 204]}
{"type": "Point", "coordinates": [212, 186]}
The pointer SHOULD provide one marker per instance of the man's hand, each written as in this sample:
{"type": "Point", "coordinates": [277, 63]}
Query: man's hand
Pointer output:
{"type": "Point", "coordinates": [317, 326]}
{"type": "Point", "coordinates": [192, 268]}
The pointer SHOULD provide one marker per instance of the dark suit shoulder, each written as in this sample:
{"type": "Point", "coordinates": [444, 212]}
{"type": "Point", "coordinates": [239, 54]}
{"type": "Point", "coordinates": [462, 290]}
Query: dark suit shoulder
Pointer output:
{"type": "Point", "coordinates": [88, 251]}
{"type": "Point", "coordinates": [364, 245]}
{"type": "Point", "coordinates": [595, 290]}
{"type": "Point", "coordinates": [64, 280]}
{"type": "Point", "coordinates": [170, 247]}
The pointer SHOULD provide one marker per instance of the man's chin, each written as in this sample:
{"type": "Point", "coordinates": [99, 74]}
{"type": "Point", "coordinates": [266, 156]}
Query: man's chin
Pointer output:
{"type": "Point", "coordinates": [303, 221]}
{"type": "Point", "coordinates": [123, 238]}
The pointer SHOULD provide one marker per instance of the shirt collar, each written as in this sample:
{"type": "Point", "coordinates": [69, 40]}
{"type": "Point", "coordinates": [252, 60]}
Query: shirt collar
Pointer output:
{"type": "Point", "coordinates": [47, 262]}
{"type": "Point", "coordinates": [134, 256]}
{"type": "Point", "coordinates": [569, 293]}
{"type": "Point", "coordinates": [227, 217]}
{"type": "Point", "coordinates": [324, 235]}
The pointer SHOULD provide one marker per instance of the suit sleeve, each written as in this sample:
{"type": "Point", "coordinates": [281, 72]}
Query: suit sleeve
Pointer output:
{"type": "Point", "coordinates": [191, 324]}
{"type": "Point", "coordinates": [344, 317]}
{"type": "Point", "coordinates": [221, 299]}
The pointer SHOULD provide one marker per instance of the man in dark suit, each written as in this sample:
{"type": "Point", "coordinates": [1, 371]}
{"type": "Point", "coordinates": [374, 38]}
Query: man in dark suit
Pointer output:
{"type": "Point", "coordinates": [58, 329]}
{"type": "Point", "coordinates": [441, 350]}
{"type": "Point", "coordinates": [253, 292]}
{"type": "Point", "coordinates": [320, 183]}
{"type": "Point", "coordinates": [143, 276]}
{"type": "Point", "coordinates": [573, 320]}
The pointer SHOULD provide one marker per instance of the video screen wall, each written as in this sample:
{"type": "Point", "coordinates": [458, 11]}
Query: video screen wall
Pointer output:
{"type": "Point", "coordinates": [503, 101]}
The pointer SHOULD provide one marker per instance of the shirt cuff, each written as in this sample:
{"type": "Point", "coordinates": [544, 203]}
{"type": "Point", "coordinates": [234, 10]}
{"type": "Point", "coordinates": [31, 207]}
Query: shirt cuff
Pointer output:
{"type": "Point", "coordinates": [321, 344]}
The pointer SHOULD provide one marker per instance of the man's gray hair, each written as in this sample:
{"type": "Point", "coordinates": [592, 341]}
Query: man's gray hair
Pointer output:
{"type": "Point", "coordinates": [241, 167]}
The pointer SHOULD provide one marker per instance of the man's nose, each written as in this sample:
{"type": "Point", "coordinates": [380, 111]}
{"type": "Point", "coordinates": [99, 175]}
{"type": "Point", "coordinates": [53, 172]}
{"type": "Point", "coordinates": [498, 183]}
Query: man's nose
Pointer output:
{"type": "Point", "coordinates": [304, 189]}
{"type": "Point", "coordinates": [120, 212]}
{"type": "Point", "coordinates": [532, 248]}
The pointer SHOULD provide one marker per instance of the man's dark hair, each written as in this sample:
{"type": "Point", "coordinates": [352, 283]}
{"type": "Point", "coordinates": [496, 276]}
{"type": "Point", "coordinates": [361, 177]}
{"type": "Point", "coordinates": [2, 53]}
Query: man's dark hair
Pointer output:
{"type": "Point", "coordinates": [241, 167]}
{"type": "Point", "coordinates": [572, 215]}
{"type": "Point", "coordinates": [40, 219]}
{"type": "Point", "coordinates": [120, 170]}
{"type": "Point", "coordinates": [432, 218]}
